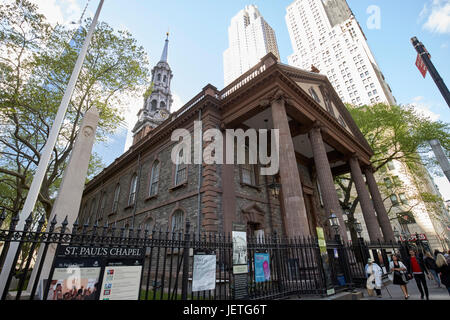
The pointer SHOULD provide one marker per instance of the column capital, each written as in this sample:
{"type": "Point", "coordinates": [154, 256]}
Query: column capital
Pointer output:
{"type": "Point", "coordinates": [264, 103]}
{"type": "Point", "coordinates": [354, 156]}
{"type": "Point", "coordinates": [317, 125]}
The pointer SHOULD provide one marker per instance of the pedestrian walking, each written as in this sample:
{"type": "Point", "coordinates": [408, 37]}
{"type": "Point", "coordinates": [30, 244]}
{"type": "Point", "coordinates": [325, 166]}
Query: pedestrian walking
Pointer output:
{"type": "Point", "coordinates": [444, 270]}
{"type": "Point", "coordinates": [373, 273]}
{"type": "Point", "coordinates": [398, 272]}
{"type": "Point", "coordinates": [416, 268]}
{"type": "Point", "coordinates": [430, 264]}
{"type": "Point", "coordinates": [436, 252]}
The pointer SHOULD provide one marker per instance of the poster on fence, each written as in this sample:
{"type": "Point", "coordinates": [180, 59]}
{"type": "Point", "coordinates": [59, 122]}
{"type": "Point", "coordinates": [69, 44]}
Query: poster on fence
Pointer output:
{"type": "Point", "coordinates": [204, 275]}
{"type": "Point", "coordinates": [75, 281]}
{"type": "Point", "coordinates": [121, 283]}
{"type": "Point", "coordinates": [239, 252]}
{"type": "Point", "coordinates": [325, 262]}
{"type": "Point", "coordinates": [262, 267]}
{"type": "Point", "coordinates": [93, 272]}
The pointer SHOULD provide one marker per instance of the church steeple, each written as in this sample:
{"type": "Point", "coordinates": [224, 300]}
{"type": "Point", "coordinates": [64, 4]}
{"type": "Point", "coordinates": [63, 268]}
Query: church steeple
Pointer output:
{"type": "Point", "coordinates": [165, 50]}
{"type": "Point", "coordinates": [157, 99]}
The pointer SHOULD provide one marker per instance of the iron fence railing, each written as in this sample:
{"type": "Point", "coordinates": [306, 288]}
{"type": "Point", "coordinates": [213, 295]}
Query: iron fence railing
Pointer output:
{"type": "Point", "coordinates": [295, 264]}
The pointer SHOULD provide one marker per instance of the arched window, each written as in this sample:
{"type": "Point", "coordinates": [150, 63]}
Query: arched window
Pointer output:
{"type": "Point", "coordinates": [102, 204]}
{"type": "Point", "coordinates": [177, 222]}
{"type": "Point", "coordinates": [164, 79]}
{"type": "Point", "coordinates": [158, 78]}
{"type": "Point", "coordinates": [133, 188]}
{"type": "Point", "coordinates": [154, 178]}
{"type": "Point", "coordinates": [93, 209]}
{"type": "Point", "coordinates": [162, 105]}
{"type": "Point", "coordinates": [248, 172]}
{"type": "Point", "coordinates": [154, 105]}
{"type": "Point", "coordinates": [116, 198]}
{"type": "Point", "coordinates": [85, 211]}
{"type": "Point", "coordinates": [180, 170]}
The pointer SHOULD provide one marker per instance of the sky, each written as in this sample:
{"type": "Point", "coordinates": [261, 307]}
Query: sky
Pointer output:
{"type": "Point", "coordinates": [199, 35]}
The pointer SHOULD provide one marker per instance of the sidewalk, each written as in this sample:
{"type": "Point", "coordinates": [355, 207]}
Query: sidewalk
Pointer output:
{"type": "Point", "coordinates": [414, 293]}
{"type": "Point", "coordinates": [394, 290]}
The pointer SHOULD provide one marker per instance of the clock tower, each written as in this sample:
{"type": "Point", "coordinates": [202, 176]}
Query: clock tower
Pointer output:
{"type": "Point", "coordinates": [157, 99]}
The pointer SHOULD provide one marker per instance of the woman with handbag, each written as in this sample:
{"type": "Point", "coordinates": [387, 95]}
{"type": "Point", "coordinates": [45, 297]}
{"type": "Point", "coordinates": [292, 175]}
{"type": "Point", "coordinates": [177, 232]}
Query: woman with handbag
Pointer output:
{"type": "Point", "coordinates": [398, 275]}
{"type": "Point", "coordinates": [373, 273]}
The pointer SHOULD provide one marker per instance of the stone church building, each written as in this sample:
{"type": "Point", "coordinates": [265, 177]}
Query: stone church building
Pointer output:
{"type": "Point", "coordinates": [318, 140]}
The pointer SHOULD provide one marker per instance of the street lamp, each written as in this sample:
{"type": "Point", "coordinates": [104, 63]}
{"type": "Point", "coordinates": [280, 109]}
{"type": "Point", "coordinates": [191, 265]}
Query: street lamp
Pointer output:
{"type": "Point", "coordinates": [358, 228]}
{"type": "Point", "coordinates": [396, 234]}
{"type": "Point", "coordinates": [334, 223]}
{"type": "Point", "coordinates": [274, 188]}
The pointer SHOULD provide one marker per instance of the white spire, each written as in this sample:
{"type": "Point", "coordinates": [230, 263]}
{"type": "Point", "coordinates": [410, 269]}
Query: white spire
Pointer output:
{"type": "Point", "coordinates": [166, 49]}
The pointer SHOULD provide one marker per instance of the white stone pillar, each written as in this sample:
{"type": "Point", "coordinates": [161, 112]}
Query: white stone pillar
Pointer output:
{"type": "Point", "coordinates": [70, 192]}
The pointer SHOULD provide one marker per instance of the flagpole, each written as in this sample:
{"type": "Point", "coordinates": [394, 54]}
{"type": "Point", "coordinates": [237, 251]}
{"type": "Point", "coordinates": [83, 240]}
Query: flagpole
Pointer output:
{"type": "Point", "coordinates": [46, 154]}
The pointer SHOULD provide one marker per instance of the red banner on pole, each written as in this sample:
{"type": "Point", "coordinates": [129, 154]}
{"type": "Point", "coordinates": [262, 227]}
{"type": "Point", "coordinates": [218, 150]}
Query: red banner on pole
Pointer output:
{"type": "Point", "coordinates": [421, 66]}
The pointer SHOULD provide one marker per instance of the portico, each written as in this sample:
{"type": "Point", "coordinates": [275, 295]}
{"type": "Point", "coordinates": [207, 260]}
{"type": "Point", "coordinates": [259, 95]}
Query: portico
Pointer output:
{"type": "Point", "coordinates": [318, 140]}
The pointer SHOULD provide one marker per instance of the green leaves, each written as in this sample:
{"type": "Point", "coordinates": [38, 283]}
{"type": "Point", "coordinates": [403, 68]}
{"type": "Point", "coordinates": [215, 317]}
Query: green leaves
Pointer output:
{"type": "Point", "coordinates": [36, 62]}
{"type": "Point", "coordinates": [398, 132]}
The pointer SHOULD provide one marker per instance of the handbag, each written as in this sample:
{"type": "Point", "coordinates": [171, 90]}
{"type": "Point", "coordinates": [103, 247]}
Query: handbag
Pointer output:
{"type": "Point", "coordinates": [404, 278]}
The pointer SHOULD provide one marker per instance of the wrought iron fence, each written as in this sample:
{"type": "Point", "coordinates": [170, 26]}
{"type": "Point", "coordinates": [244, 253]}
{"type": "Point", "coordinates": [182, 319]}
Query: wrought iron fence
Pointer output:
{"type": "Point", "coordinates": [295, 264]}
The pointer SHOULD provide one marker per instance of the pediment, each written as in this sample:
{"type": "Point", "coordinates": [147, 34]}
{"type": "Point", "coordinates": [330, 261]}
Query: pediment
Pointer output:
{"type": "Point", "coordinates": [319, 88]}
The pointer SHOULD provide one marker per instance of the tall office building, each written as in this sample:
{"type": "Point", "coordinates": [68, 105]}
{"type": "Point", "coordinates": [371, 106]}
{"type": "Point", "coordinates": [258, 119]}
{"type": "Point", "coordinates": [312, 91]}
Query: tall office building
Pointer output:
{"type": "Point", "coordinates": [326, 35]}
{"type": "Point", "coordinates": [250, 38]}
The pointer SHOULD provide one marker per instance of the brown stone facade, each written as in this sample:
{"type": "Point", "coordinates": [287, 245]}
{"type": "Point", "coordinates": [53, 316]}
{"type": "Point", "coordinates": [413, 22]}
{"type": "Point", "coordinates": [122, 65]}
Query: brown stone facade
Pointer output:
{"type": "Point", "coordinates": [269, 96]}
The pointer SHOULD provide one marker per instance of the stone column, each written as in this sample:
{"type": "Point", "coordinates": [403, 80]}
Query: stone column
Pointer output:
{"type": "Point", "coordinates": [325, 177]}
{"type": "Point", "coordinates": [70, 192]}
{"type": "Point", "coordinates": [364, 199]}
{"type": "Point", "coordinates": [294, 205]}
{"type": "Point", "coordinates": [383, 218]}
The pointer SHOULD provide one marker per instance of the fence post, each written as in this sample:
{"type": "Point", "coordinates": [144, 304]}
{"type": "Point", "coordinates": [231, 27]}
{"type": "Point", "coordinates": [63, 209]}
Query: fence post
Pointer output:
{"type": "Point", "coordinates": [346, 262]}
{"type": "Point", "coordinates": [185, 278]}
{"type": "Point", "coordinates": [278, 266]}
{"type": "Point", "coordinates": [12, 229]}
{"type": "Point", "coordinates": [45, 240]}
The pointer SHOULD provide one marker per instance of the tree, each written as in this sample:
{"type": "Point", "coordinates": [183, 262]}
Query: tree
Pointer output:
{"type": "Point", "coordinates": [395, 133]}
{"type": "Point", "coordinates": [36, 61]}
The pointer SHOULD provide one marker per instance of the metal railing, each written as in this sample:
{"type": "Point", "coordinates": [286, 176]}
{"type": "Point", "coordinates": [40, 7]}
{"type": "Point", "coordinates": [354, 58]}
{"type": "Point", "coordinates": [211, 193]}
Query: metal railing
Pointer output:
{"type": "Point", "coordinates": [295, 264]}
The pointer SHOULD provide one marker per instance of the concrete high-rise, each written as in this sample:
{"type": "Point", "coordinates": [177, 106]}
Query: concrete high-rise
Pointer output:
{"type": "Point", "coordinates": [326, 35]}
{"type": "Point", "coordinates": [250, 38]}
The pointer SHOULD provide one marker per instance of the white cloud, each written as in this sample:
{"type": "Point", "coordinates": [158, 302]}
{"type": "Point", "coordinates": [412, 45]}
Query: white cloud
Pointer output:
{"type": "Point", "coordinates": [437, 14]}
{"type": "Point", "coordinates": [177, 103]}
{"type": "Point", "coordinates": [423, 108]}
{"type": "Point", "coordinates": [59, 11]}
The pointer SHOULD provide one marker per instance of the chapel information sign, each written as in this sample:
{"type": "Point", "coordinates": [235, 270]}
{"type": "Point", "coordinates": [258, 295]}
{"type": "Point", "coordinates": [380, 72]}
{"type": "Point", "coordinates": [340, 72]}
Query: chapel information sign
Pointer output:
{"type": "Point", "coordinates": [239, 235]}
{"type": "Point", "coordinates": [92, 273]}
{"type": "Point", "coordinates": [240, 262]}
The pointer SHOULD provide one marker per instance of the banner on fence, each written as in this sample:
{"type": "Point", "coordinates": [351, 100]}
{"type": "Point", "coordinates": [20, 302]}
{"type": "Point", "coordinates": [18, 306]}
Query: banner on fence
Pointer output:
{"type": "Point", "coordinates": [75, 281]}
{"type": "Point", "coordinates": [77, 270]}
{"type": "Point", "coordinates": [321, 240]}
{"type": "Point", "coordinates": [204, 275]}
{"type": "Point", "coordinates": [121, 280]}
{"type": "Point", "coordinates": [262, 267]}
{"type": "Point", "coordinates": [325, 261]}
{"type": "Point", "coordinates": [240, 261]}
